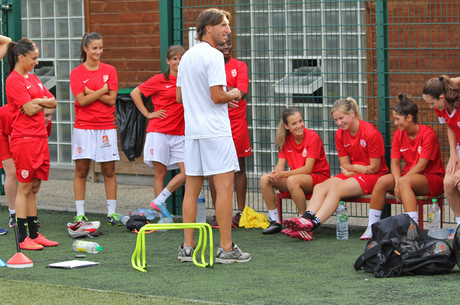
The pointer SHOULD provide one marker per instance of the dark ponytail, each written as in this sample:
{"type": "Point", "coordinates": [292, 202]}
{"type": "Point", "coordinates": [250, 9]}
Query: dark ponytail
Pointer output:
{"type": "Point", "coordinates": [85, 41]}
{"type": "Point", "coordinates": [406, 106]}
{"type": "Point", "coordinates": [22, 47]}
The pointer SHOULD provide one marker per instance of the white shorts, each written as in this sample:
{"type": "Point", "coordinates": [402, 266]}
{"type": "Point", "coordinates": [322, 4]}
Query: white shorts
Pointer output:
{"type": "Point", "coordinates": [165, 149]}
{"type": "Point", "coordinates": [207, 157]}
{"type": "Point", "coordinates": [97, 145]}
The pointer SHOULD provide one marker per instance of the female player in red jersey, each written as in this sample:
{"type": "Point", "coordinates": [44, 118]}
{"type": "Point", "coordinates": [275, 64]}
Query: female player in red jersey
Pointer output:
{"type": "Point", "coordinates": [164, 142]}
{"type": "Point", "coordinates": [237, 77]}
{"type": "Point", "coordinates": [94, 85]}
{"type": "Point", "coordinates": [423, 172]}
{"type": "Point", "coordinates": [6, 160]}
{"type": "Point", "coordinates": [27, 97]}
{"type": "Point", "coordinates": [303, 150]}
{"type": "Point", "coordinates": [443, 95]}
{"type": "Point", "coordinates": [361, 155]}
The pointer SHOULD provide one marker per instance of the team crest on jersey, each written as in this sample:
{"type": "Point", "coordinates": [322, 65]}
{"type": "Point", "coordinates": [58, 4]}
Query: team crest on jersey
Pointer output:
{"type": "Point", "coordinates": [105, 139]}
{"type": "Point", "coordinates": [78, 150]}
{"type": "Point", "coordinates": [151, 151]}
{"type": "Point", "coordinates": [234, 73]}
{"type": "Point", "coordinates": [105, 78]}
{"type": "Point", "coordinates": [363, 143]}
{"type": "Point", "coordinates": [419, 149]}
{"type": "Point", "coordinates": [25, 173]}
{"type": "Point", "coordinates": [304, 152]}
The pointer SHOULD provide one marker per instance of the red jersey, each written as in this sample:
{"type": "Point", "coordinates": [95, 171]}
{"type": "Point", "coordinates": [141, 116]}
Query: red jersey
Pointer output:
{"type": "Point", "coordinates": [96, 115]}
{"type": "Point", "coordinates": [367, 143]}
{"type": "Point", "coordinates": [311, 147]}
{"type": "Point", "coordinates": [5, 122]}
{"type": "Point", "coordinates": [452, 120]}
{"type": "Point", "coordinates": [19, 91]}
{"type": "Point", "coordinates": [163, 97]}
{"type": "Point", "coordinates": [237, 77]}
{"type": "Point", "coordinates": [425, 146]}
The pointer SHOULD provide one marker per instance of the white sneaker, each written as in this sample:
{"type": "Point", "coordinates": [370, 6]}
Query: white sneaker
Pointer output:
{"type": "Point", "coordinates": [83, 228]}
{"type": "Point", "coordinates": [367, 234]}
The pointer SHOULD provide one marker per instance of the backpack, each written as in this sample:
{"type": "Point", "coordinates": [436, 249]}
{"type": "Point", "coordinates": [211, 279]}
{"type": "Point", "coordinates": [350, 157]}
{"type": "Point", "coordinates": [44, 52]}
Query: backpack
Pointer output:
{"type": "Point", "coordinates": [399, 247]}
{"type": "Point", "coordinates": [136, 222]}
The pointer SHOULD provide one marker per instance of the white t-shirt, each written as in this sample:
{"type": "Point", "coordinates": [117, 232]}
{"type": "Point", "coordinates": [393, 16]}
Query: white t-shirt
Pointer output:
{"type": "Point", "coordinates": [202, 67]}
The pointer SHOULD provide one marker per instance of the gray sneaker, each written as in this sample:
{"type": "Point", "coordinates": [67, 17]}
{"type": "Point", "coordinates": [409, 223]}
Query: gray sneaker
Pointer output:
{"type": "Point", "coordinates": [233, 256]}
{"type": "Point", "coordinates": [185, 253]}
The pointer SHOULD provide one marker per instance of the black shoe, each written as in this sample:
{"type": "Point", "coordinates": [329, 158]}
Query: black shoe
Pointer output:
{"type": "Point", "coordinates": [273, 228]}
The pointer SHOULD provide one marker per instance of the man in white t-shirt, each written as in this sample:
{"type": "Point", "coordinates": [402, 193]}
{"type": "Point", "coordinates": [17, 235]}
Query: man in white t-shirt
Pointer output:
{"type": "Point", "coordinates": [209, 147]}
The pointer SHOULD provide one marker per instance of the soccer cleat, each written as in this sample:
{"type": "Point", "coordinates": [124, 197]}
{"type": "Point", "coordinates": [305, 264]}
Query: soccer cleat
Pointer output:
{"type": "Point", "coordinates": [214, 223]}
{"type": "Point", "coordinates": [3, 231]}
{"type": "Point", "coordinates": [273, 228]}
{"type": "Point", "coordinates": [161, 208]}
{"type": "Point", "coordinates": [303, 235]}
{"type": "Point", "coordinates": [185, 253]}
{"type": "Point", "coordinates": [29, 244]}
{"type": "Point", "coordinates": [236, 220]}
{"type": "Point", "coordinates": [12, 220]}
{"type": "Point", "coordinates": [367, 234]}
{"type": "Point", "coordinates": [114, 219]}
{"type": "Point", "coordinates": [41, 240]}
{"type": "Point", "coordinates": [83, 229]}
{"type": "Point", "coordinates": [233, 256]}
{"type": "Point", "coordinates": [79, 218]}
{"type": "Point", "coordinates": [299, 224]}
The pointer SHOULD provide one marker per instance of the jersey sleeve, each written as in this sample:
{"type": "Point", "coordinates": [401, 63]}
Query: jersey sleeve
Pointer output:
{"type": "Point", "coordinates": [396, 145]}
{"type": "Point", "coordinates": [375, 144]}
{"type": "Point", "coordinates": [429, 144]}
{"type": "Point", "coordinates": [76, 83]}
{"type": "Point", "coordinates": [339, 144]}
{"type": "Point", "coordinates": [314, 145]}
{"type": "Point", "coordinates": [148, 87]}
{"type": "Point", "coordinates": [113, 79]}
{"type": "Point", "coordinates": [19, 93]}
{"type": "Point", "coordinates": [242, 81]}
{"type": "Point", "coordinates": [216, 70]}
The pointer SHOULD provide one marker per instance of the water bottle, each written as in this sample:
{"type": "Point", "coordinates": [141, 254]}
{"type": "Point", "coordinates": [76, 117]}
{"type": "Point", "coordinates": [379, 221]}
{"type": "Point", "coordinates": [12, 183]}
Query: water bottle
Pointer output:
{"type": "Point", "coordinates": [86, 246]}
{"type": "Point", "coordinates": [201, 208]}
{"type": "Point", "coordinates": [148, 213]}
{"type": "Point", "coordinates": [434, 215]}
{"type": "Point", "coordinates": [124, 219]}
{"type": "Point", "coordinates": [342, 221]}
{"type": "Point", "coordinates": [164, 219]}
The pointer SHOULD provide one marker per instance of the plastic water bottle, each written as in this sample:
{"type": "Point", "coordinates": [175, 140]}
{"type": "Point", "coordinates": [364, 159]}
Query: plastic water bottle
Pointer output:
{"type": "Point", "coordinates": [164, 219]}
{"type": "Point", "coordinates": [434, 215]}
{"type": "Point", "coordinates": [342, 221]}
{"type": "Point", "coordinates": [148, 213]}
{"type": "Point", "coordinates": [201, 208]}
{"type": "Point", "coordinates": [124, 219]}
{"type": "Point", "coordinates": [86, 246]}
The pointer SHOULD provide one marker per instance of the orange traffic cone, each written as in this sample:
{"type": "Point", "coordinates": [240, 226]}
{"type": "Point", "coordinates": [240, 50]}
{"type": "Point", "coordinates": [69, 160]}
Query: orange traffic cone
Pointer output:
{"type": "Point", "coordinates": [19, 260]}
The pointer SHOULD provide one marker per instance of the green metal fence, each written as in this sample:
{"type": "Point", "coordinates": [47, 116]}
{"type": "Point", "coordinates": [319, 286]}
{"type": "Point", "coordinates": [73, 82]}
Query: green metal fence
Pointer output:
{"type": "Point", "coordinates": [307, 54]}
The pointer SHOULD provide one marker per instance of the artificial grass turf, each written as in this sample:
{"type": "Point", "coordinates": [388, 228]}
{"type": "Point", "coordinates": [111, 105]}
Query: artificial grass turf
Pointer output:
{"type": "Point", "coordinates": [282, 271]}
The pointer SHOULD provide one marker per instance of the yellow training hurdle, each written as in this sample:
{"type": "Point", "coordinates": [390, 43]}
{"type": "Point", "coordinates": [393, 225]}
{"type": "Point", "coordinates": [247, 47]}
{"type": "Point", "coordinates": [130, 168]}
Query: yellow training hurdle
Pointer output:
{"type": "Point", "coordinates": [138, 258]}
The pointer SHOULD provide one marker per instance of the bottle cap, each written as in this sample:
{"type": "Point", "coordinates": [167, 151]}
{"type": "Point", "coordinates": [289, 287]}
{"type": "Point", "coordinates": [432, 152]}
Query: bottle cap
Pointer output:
{"type": "Point", "coordinates": [99, 248]}
{"type": "Point", "coordinates": [341, 202]}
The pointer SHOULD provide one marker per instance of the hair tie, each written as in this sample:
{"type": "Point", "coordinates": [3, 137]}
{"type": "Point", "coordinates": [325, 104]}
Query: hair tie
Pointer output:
{"type": "Point", "coordinates": [441, 78]}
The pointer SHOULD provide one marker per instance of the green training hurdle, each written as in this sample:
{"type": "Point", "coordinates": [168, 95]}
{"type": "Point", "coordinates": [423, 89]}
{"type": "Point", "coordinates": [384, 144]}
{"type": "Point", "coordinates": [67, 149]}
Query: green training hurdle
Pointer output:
{"type": "Point", "coordinates": [138, 258]}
